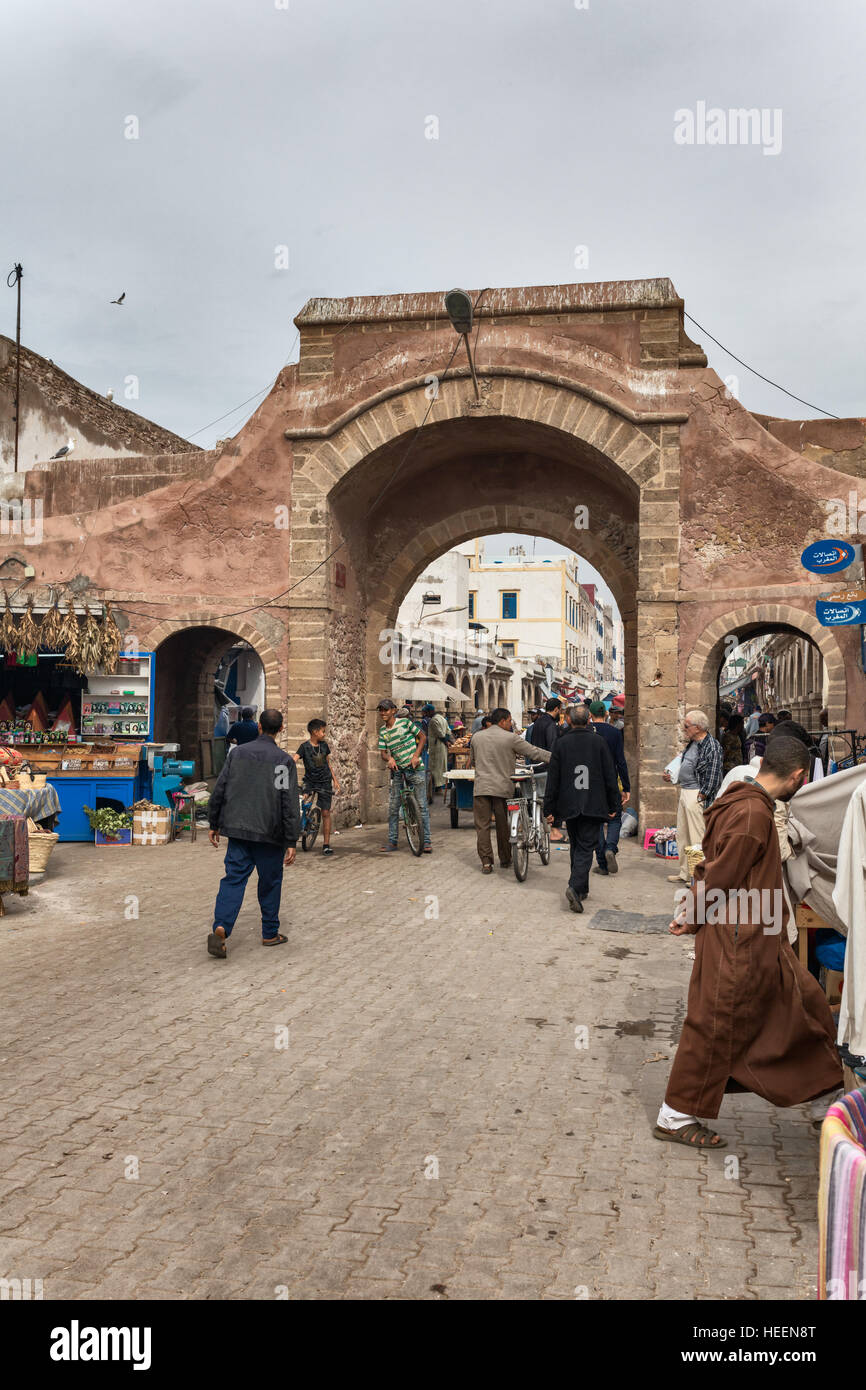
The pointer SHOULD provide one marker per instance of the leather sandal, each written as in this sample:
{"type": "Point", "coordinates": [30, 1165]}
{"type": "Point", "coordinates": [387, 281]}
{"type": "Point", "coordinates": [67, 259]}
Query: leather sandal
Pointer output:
{"type": "Point", "coordinates": [695, 1134]}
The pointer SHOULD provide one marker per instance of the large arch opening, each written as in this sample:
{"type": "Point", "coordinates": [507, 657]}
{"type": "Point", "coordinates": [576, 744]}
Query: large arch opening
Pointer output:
{"type": "Point", "coordinates": [530, 458]}
{"type": "Point", "coordinates": [469, 478]}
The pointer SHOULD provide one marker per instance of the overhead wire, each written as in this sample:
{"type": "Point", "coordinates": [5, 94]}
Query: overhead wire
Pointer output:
{"type": "Point", "coordinates": [756, 373]}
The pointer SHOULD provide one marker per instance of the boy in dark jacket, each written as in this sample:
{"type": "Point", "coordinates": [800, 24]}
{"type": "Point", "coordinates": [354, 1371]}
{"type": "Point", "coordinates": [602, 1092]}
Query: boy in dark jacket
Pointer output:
{"type": "Point", "coordinates": [582, 790]}
{"type": "Point", "coordinates": [255, 804]}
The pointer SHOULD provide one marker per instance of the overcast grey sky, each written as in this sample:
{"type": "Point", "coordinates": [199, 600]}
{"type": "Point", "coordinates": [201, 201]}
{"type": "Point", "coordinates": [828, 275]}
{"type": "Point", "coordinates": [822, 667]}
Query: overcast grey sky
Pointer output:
{"type": "Point", "coordinates": [305, 126]}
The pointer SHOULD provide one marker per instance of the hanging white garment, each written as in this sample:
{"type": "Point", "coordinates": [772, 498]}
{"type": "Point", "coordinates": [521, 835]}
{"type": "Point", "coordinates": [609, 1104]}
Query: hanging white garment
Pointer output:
{"type": "Point", "coordinates": [814, 829]}
{"type": "Point", "coordinates": [849, 897]}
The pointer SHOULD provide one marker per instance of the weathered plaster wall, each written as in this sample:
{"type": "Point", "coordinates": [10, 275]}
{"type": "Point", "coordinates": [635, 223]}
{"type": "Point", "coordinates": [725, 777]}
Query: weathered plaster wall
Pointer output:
{"type": "Point", "coordinates": [54, 406]}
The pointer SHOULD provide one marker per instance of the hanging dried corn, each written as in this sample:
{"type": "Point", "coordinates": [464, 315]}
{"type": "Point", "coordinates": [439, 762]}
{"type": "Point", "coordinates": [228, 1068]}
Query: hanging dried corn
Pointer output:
{"type": "Point", "coordinates": [69, 636]}
{"type": "Point", "coordinates": [110, 642]}
{"type": "Point", "coordinates": [7, 629]}
{"type": "Point", "coordinates": [27, 633]}
{"type": "Point", "coordinates": [50, 629]}
{"type": "Point", "coordinates": [88, 645]}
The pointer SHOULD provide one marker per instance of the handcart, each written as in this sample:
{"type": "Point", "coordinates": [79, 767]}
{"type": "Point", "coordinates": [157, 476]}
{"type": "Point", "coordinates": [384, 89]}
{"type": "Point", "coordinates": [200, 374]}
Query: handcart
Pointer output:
{"type": "Point", "coordinates": [461, 790]}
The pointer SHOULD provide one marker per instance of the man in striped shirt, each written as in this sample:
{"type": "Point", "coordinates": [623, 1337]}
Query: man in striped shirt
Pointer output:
{"type": "Point", "coordinates": [401, 744]}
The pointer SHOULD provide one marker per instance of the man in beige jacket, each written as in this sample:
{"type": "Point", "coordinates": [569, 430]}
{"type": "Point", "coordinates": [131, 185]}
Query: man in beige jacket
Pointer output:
{"type": "Point", "coordinates": [493, 753]}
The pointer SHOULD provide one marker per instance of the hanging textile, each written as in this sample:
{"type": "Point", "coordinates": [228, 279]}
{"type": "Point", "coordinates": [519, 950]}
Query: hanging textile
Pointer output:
{"type": "Point", "coordinates": [841, 1204]}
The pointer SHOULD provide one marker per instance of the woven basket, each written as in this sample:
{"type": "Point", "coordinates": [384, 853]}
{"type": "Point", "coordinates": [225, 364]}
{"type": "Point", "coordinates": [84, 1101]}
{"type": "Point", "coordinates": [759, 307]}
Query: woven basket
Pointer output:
{"type": "Point", "coordinates": [36, 781]}
{"type": "Point", "coordinates": [41, 844]}
{"type": "Point", "coordinates": [694, 857]}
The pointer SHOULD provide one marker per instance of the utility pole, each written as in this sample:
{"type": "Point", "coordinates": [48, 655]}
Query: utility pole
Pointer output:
{"type": "Point", "coordinates": [14, 278]}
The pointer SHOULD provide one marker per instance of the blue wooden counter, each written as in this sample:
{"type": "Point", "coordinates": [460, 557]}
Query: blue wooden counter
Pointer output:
{"type": "Point", "coordinates": [89, 790]}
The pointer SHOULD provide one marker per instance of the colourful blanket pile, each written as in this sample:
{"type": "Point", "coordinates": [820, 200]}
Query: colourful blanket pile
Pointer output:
{"type": "Point", "coordinates": [842, 1200]}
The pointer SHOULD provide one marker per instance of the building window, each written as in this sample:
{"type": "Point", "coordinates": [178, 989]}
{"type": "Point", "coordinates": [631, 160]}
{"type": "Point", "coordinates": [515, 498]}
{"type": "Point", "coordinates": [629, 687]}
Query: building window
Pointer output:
{"type": "Point", "coordinates": [473, 596]}
{"type": "Point", "coordinates": [509, 648]}
{"type": "Point", "coordinates": [509, 606]}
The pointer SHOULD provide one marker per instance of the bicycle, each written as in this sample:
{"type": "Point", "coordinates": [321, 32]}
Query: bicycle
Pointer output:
{"type": "Point", "coordinates": [311, 819]}
{"type": "Point", "coordinates": [410, 813]}
{"type": "Point", "coordinates": [527, 826]}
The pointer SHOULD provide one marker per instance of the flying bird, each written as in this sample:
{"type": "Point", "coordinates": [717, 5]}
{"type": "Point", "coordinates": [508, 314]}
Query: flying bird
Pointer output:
{"type": "Point", "coordinates": [120, 300]}
{"type": "Point", "coordinates": [67, 449]}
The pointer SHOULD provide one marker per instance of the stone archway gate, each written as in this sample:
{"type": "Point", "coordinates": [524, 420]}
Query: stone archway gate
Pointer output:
{"type": "Point", "coordinates": [718, 508]}
{"type": "Point", "coordinates": [372, 455]}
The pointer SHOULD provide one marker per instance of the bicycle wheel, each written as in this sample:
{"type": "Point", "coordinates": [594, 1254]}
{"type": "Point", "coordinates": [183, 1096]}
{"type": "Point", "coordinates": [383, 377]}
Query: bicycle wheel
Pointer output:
{"type": "Point", "coordinates": [544, 842]}
{"type": "Point", "coordinates": [314, 820]}
{"type": "Point", "coordinates": [520, 848]}
{"type": "Point", "coordinates": [413, 824]}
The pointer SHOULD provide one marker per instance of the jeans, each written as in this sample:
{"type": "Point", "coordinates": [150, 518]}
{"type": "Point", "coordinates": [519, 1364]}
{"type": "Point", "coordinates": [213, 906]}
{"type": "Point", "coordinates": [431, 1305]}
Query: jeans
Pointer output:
{"type": "Point", "coordinates": [583, 832]}
{"type": "Point", "coordinates": [417, 778]}
{"type": "Point", "coordinates": [608, 838]}
{"type": "Point", "coordinates": [242, 856]}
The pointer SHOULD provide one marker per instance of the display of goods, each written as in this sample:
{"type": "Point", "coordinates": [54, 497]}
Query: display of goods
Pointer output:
{"type": "Point", "coordinates": [65, 720]}
{"type": "Point", "coordinates": [109, 642]}
{"type": "Point", "coordinates": [69, 635]}
{"type": "Point", "coordinates": [27, 633]}
{"type": "Point", "coordinates": [88, 645]}
{"type": "Point", "coordinates": [110, 824]}
{"type": "Point", "coordinates": [7, 629]}
{"type": "Point", "coordinates": [50, 628]}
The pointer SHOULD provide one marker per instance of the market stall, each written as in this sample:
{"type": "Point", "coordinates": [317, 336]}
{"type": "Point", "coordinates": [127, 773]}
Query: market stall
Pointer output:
{"type": "Point", "coordinates": [76, 709]}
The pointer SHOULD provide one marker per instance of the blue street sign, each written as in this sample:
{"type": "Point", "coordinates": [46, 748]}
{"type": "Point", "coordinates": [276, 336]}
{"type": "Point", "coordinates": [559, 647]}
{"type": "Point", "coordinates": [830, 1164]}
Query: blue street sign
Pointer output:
{"type": "Point", "coordinates": [826, 557]}
{"type": "Point", "coordinates": [840, 614]}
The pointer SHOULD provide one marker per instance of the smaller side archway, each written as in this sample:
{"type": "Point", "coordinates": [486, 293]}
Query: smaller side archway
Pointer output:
{"type": "Point", "coordinates": [705, 659]}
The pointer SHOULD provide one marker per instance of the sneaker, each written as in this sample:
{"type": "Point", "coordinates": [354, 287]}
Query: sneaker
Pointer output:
{"type": "Point", "coordinates": [388, 849]}
{"type": "Point", "coordinates": [326, 849]}
{"type": "Point", "coordinates": [610, 859]}
{"type": "Point", "coordinates": [487, 868]}
{"type": "Point", "coordinates": [575, 901]}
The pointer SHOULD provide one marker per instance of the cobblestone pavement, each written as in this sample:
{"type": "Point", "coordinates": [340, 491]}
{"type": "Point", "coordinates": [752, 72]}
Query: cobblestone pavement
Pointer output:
{"type": "Point", "coordinates": [416, 1045]}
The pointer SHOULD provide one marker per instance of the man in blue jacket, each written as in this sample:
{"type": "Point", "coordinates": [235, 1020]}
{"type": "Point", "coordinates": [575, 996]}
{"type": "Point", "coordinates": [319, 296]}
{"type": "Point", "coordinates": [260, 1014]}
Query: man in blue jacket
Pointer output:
{"type": "Point", "coordinates": [609, 831]}
{"type": "Point", "coordinates": [255, 804]}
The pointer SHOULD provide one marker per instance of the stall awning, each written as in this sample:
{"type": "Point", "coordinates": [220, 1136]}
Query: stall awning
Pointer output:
{"type": "Point", "coordinates": [421, 685]}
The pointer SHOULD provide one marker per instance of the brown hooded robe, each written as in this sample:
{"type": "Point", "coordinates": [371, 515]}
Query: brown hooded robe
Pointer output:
{"type": "Point", "coordinates": [756, 1019]}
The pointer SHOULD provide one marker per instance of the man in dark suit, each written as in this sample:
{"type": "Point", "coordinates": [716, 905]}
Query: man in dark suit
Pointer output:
{"type": "Point", "coordinates": [609, 831]}
{"type": "Point", "coordinates": [581, 789]}
{"type": "Point", "coordinates": [545, 732]}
